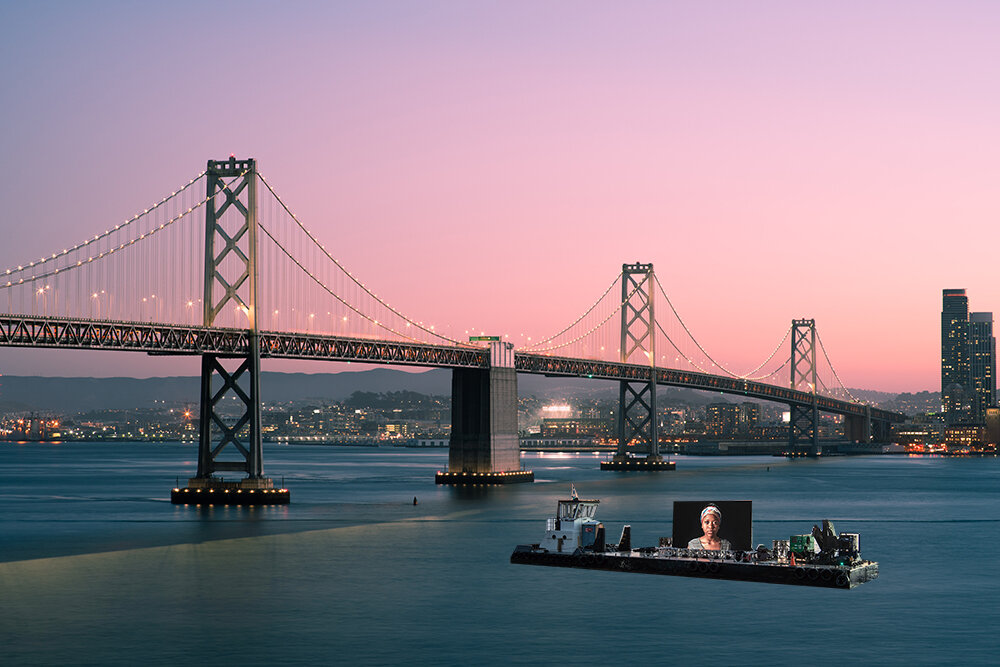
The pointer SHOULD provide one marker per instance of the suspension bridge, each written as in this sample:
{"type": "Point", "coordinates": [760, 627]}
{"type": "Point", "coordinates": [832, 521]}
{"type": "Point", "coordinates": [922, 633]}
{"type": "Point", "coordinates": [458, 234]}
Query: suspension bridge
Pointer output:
{"type": "Point", "coordinates": [223, 269]}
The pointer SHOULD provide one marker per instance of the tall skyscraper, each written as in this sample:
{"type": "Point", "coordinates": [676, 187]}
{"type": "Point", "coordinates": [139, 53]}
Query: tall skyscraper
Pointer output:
{"type": "Point", "coordinates": [982, 364]}
{"type": "Point", "coordinates": [956, 389]}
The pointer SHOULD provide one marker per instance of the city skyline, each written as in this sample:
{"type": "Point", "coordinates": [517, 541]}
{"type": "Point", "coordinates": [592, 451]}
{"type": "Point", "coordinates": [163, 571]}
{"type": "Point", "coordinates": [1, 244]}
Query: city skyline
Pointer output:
{"type": "Point", "coordinates": [492, 168]}
{"type": "Point", "coordinates": [968, 360]}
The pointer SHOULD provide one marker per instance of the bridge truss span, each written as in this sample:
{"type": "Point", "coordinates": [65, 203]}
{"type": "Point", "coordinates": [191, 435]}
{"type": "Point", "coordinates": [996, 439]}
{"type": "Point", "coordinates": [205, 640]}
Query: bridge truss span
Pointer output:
{"type": "Point", "coordinates": [19, 331]}
{"type": "Point", "coordinates": [606, 370]}
{"type": "Point", "coordinates": [333, 348]}
{"type": "Point", "coordinates": [25, 331]}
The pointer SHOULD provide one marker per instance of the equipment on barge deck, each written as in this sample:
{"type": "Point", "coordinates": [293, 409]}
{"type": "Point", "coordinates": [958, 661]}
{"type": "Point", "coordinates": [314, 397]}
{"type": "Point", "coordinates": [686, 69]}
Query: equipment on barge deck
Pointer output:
{"type": "Point", "coordinates": [574, 538]}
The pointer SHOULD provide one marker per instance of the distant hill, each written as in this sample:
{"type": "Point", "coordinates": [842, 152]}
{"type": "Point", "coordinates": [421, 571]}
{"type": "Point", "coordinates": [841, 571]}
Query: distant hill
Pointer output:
{"type": "Point", "coordinates": [871, 396]}
{"type": "Point", "coordinates": [72, 395]}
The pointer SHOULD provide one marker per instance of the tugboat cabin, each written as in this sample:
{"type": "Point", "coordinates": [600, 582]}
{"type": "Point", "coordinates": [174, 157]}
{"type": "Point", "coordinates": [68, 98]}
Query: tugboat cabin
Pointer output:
{"type": "Point", "coordinates": [573, 526]}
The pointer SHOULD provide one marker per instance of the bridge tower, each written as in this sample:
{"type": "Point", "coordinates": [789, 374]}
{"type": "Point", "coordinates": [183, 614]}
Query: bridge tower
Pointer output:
{"type": "Point", "coordinates": [484, 447]}
{"type": "Point", "coordinates": [803, 426]}
{"type": "Point", "coordinates": [231, 442]}
{"type": "Point", "coordinates": [637, 399]}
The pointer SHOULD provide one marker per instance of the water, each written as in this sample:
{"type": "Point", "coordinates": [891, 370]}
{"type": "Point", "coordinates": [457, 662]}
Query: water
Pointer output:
{"type": "Point", "coordinates": [97, 567]}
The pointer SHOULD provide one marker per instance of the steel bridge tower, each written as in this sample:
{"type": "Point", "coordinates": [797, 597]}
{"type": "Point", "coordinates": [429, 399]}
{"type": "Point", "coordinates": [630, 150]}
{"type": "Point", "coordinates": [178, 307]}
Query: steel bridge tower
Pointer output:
{"type": "Point", "coordinates": [637, 419]}
{"type": "Point", "coordinates": [803, 425]}
{"type": "Point", "coordinates": [230, 442]}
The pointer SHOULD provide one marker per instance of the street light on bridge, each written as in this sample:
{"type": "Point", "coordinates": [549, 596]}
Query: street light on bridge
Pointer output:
{"type": "Point", "coordinates": [95, 298]}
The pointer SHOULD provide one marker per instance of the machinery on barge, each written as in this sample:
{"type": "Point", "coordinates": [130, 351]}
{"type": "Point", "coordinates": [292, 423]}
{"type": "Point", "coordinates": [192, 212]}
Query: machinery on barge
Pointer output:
{"type": "Point", "coordinates": [575, 538]}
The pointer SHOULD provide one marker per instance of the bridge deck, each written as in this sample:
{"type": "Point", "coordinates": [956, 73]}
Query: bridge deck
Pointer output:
{"type": "Point", "coordinates": [24, 331]}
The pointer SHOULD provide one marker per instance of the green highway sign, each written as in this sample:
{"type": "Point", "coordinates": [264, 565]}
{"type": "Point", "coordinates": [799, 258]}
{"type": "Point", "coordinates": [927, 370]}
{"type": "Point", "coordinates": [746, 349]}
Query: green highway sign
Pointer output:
{"type": "Point", "coordinates": [484, 339]}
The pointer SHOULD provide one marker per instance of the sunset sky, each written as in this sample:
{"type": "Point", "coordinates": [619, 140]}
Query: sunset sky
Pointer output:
{"type": "Point", "coordinates": [492, 164]}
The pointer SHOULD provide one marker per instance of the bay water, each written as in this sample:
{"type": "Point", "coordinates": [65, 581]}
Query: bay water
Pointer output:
{"type": "Point", "coordinates": [97, 567]}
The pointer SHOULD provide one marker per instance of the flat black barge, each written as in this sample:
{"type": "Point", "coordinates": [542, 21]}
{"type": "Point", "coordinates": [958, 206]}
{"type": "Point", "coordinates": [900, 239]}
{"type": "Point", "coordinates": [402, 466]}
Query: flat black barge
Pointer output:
{"type": "Point", "coordinates": [652, 561]}
{"type": "Point", "coordinates": [574, 538]}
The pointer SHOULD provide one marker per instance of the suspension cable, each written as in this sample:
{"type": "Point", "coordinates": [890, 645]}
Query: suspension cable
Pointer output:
{"type": "Point", "coordinates": [106, 253]}
{"type": "Point", "coordinates": [771, 356]}
{"type": "Point", "coordinates": [834, 370]}
{"type": "Point", "coordinates": [589, 310]}
{"type": "Point", "coordinates": [107, 233]}
{"type": "Point", "coordinates": [772, 373]}
{"type": "Point", "coordinates": [698, 366]}
{"type": "Point", "coordinates": [672, 343]}
{"type": "Point", "coordinates": [592, 329]}
{"type": "Point", "coordinates": [329, 291]}
{"type": "Point", "coordinates": [350, 275]}
{"type": "Point", "coordinates": [688, 331]}
{"type": "Point", "coordinates": [707, 355]}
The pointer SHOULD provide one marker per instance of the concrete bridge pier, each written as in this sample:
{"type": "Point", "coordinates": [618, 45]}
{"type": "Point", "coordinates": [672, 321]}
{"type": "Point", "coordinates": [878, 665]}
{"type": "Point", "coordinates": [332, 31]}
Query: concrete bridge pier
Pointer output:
{"type": "Point", "coordinates": [858, 428]}
{"type": "Point", "coordinates": [484, 446]}
{"type": "Point", "coordinates": [865, 429]}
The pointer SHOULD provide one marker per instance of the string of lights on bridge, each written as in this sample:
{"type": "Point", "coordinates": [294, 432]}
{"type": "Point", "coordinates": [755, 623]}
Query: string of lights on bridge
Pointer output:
{"type": "Point", "coordinates": [350, 275]}
{"type": "Point", "coordinates": [108, 232]}
{"type": "Point", "coordinates": [300, 279]}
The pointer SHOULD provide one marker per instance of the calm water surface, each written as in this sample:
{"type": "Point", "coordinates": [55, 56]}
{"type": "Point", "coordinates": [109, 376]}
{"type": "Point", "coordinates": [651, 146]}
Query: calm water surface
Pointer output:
{"type": "Point", "coordinates": [97, 567]}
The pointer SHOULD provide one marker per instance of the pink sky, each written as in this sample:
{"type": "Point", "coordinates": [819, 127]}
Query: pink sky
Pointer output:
{"type": "Point", "coordinates": [492, 165]}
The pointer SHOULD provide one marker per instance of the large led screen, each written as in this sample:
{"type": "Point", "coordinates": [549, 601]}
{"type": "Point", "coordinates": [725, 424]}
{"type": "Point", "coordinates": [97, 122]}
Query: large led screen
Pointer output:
{"type": "Point", "coordinates": [713, 524]}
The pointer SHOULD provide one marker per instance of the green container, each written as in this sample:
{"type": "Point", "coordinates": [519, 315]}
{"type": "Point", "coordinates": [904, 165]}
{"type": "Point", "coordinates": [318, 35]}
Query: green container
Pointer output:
{"type": "Point", "coordinates": [799, 544]}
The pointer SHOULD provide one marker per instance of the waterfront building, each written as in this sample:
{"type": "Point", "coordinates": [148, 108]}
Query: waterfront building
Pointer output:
{"type": "Point", "coordinates": [965, 437]}
{"type": "Point", "coordinates": [913, 437]}
{"type": "Point", "coordinates": [956, 390]}
{"type": "Point", "coordinates": [567, 444]}
{"type": "Point", "coordinates": [721, 419]}
{"type": "Point", "coordinates": [992, 426]}
{"type": "Point", "coordinates": [395, 429]}
{"type": "Point", "coordinates": [574, 426]}
{"type": "Point", "coordinates": [748, 417]}
{"type": "Point", "coordinates": [770, 431]}
{"type": "Point", "coordinates": [726, 420]}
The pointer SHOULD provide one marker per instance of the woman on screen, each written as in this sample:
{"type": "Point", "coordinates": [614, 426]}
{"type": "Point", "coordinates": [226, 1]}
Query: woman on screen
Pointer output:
{"type": "Point", "coordinates": [711, 521]}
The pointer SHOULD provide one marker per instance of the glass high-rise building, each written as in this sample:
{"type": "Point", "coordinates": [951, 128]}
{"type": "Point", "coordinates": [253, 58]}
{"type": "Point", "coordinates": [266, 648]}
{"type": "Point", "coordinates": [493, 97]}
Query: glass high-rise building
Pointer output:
{"type": "Point", "coordinates": [956, 371]}
{"type": "Point", "coordinates": [982, 364]}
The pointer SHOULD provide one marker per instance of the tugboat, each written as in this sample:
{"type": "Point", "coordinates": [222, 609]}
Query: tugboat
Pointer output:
{"type": "Point", "coordinates": [574, 538]}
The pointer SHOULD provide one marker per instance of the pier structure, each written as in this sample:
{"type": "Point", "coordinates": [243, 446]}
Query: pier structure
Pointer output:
{"type": "Point", "coordinates": [484, 446]}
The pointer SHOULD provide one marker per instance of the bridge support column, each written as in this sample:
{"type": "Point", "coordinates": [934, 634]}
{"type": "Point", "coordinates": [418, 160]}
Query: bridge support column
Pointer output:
{"type": "Point", "coordinates": [803, 425]}
{"type": "Point", "coordinates": [231, 442]}
{"type": "Point", "coordinates": [484, 446]}
{"type": "Point", "coordinates": [881, 431]}
{"type": "Point", "coordinates": [637, 418]}
{"type": "Point", "coordinates": [857, 428]}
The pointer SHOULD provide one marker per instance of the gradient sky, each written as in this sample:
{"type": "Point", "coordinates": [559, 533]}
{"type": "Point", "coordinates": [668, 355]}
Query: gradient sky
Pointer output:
{"type": "Point", "coordinates": [492, 164]}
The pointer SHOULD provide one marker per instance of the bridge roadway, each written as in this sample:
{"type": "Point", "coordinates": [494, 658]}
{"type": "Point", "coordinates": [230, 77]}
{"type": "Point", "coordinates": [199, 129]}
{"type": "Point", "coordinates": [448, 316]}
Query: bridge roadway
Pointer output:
{"type": "Point", "coordinates": [152, 338]}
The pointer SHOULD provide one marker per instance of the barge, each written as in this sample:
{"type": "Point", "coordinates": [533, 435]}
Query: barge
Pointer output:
{"type": "Point", "coordinates": [823, 558]}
